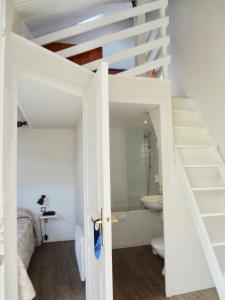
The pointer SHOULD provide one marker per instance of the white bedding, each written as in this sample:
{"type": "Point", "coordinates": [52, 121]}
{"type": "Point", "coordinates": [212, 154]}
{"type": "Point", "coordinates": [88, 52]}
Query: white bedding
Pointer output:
{"type": "Point", "coordinates": [26, 242]}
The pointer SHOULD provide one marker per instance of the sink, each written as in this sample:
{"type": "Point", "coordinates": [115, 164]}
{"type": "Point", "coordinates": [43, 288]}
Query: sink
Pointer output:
{"type": "Point", "coordinates": [152, 202]}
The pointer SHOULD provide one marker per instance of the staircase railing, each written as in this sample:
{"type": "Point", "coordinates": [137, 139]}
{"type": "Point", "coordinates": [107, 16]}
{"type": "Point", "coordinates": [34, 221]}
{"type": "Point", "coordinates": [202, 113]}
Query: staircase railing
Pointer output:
{"type": "Point", "coordinates": [154, 48]}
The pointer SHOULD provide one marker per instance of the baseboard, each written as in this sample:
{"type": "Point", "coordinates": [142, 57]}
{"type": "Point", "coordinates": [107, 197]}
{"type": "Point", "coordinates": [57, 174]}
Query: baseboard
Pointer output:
{"type": "Point", "coordinates": [189, 289]}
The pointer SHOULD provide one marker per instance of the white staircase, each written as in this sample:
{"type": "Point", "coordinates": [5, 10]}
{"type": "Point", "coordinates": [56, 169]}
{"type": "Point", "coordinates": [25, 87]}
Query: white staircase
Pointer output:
{"type": "Point", "coordinates": [201, 171]}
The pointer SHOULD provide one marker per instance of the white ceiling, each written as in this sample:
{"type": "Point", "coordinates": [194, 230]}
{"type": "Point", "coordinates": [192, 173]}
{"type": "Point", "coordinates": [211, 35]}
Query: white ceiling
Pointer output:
{"type": "Point", "coordinates": [127, 115]}
{"type": "Point", "coordinates": [30, 8]}
{"type": "Point", "coordinates": [46, 107]}
{"type": "Point", "coordinates": [44, 16]}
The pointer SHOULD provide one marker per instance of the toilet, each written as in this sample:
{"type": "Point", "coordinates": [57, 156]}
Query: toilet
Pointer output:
{"type": "Point", "coordinates": [158, 248]}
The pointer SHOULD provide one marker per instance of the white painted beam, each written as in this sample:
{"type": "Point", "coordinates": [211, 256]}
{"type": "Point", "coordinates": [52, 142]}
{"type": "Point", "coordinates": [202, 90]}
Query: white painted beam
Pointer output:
{"type": "Point", "coordinates": [146, 67]}
{"type": "Point", "coordinates": [55, 70]}
{"type": "Point", "coordinates": [106, 20]}
{"type": "Point", "coordinates": [117, 36]}
{"type": "Point", "coordinates": [128, 53]}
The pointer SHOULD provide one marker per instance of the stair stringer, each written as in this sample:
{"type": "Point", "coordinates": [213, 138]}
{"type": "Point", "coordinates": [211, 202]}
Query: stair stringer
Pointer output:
{"type": "Point", "coordinates": [210, 255]}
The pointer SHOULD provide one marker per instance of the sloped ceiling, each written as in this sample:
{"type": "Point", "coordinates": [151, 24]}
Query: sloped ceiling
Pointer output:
{"type": "Point", "coordinates": [30, 8]}
{"type": "Point", "coordinates": [41, 16]}
{"type": "Point", "coordinates": [47, 107]}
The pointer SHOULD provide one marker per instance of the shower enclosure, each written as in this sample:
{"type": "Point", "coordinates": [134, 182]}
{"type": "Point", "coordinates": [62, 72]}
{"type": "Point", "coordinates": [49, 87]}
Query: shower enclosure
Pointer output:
{"type": "Point", "coordinates": [134, 166]}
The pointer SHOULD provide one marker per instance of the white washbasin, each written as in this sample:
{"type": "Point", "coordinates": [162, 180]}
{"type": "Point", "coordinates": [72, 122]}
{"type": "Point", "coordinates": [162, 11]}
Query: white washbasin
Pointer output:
{"type": "Point", "coordinates": [152, 202]}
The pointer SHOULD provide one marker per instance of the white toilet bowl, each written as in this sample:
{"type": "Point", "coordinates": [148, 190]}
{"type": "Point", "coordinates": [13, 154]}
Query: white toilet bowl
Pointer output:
{"type": "Point", "coordinates": [158, 248]}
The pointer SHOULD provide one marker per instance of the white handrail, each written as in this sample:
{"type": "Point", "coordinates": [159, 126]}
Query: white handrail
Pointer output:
{"type": "Point", "coordinates": [153, 49]}
{"type": "Point", "coordinates": [114, 37]}
{"type": "Point", "coordinates": [105, 20]}
{"type": "Point", "coordinates": [129, 53]}
{"type": "Point", "coordinates": [155, 64]}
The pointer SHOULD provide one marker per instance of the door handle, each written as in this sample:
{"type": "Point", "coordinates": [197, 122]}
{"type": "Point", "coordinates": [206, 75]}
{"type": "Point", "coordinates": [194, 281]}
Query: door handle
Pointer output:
{"type": "Point", "coordinates": [100, 222]}
{"type": "Point", "coordinates": [114, 219]}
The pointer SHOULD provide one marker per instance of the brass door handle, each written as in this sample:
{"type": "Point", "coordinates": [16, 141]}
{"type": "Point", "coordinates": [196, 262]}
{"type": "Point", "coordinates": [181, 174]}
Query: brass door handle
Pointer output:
{"type": "Point", "coordinates": [114, 219]}
{"type": "Point", "coordinates": [99, 221]}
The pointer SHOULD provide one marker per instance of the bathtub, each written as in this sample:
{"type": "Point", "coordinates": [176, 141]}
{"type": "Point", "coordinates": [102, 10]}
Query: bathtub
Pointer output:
{"type": "Point", "coordinates": [135, 228]}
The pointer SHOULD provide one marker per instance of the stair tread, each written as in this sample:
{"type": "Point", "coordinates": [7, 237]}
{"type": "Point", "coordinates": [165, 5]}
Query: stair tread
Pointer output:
{"type": "Point", "coordinates": [215, 214]}
{"type": "Point", "coordinates": [218, 243]}
{"type": "Point", "coordinates": [202, 166]}
{"type": "Point", "coordinates": [218, 188]}
{"type": "Point", "coordinates": [195, 146]}
{"type": "Point", "coordinates": [185, 111]}
{"type": "Point", "coordinates": [190, 127]}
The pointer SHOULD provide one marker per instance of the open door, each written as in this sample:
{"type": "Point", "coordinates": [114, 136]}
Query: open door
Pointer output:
{"type": "Point", "coordinates": [97, 188]}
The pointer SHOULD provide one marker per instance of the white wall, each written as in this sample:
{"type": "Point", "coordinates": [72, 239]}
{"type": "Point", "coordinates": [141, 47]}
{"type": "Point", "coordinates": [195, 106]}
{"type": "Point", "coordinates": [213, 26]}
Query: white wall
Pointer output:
{"type": "Point", "coordinates": [136, 167]}
{"type": "Point", "coordinates": [118, 169]}
{"type": "Point", "coordinates": [198, 58]}
{"type": "Point", "coordinates": [197, 70]}
{"type": "Point", "coordinates": [155, 118]}
{"type": "Point", "coordinates": [46, 167]}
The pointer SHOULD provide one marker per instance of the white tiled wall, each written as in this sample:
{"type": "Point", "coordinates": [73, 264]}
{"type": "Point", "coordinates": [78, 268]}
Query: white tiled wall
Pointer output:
{"type": "Point", "coordinates": [136, 169]}
{"type": "Point", "coordinates": [136, 228]}
{"type": "Point", "coordinates": [118, 159]}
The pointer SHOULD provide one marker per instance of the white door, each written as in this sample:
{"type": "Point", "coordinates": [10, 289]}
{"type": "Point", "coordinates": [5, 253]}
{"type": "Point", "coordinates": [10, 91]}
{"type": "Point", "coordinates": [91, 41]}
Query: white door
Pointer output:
{"type": "Point", "coordinates": [2, 48]}
{"type": "Point", "coordinates": [97, 188]}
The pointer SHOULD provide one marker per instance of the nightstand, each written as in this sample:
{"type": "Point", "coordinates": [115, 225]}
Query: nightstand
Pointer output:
{"type": "Point", "coordinates": [45, 219]}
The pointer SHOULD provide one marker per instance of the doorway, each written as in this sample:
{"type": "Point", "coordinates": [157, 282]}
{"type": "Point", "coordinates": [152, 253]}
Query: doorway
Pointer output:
{"type": "Point", "coordinates": [46, 191]}
{"type": "Point", "coordinates": [136, 201]}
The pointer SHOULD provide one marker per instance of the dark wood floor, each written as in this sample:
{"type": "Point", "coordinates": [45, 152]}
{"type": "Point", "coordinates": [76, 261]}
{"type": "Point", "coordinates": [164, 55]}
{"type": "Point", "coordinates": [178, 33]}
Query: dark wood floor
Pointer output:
{"type": "Point", "coordinates": [136, 273]}
{"type": "Point", "coordinates": [54, 272]}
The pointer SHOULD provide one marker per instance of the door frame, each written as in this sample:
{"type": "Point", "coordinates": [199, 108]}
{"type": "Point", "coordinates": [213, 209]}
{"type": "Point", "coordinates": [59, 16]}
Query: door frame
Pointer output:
{"type": "Point", "coordinates": [140, 90]}
{"type": "Point", "coordinates": [38, 64]}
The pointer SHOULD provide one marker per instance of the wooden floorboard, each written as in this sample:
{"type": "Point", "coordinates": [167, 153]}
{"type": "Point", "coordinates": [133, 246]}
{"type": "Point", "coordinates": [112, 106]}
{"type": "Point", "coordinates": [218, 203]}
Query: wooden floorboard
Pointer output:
{"type": "Point", "coordinates": [54, 272]}
{"type": "Point", "coordinates": [136, 273]}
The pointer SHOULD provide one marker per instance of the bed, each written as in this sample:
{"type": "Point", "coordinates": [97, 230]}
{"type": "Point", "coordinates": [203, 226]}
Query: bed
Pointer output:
{"type": "Point", "coordinates": [26, 242]}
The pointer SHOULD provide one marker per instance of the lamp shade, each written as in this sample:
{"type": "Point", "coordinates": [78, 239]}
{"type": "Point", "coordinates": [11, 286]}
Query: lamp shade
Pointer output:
{"type": "Point", "coordinates": [41, 200]}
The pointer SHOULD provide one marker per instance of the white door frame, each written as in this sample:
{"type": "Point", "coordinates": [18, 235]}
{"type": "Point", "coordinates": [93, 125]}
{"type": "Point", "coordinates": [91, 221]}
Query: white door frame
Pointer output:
{"type": "Point", "coordinates": [38, 64]}
{"type": "Point", "coordinates": [156, 92]}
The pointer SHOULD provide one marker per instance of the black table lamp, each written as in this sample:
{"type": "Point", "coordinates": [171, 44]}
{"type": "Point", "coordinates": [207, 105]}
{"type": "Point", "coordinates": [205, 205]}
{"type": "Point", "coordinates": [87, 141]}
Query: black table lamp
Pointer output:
{"type": "Point", "coordinates": [41, 200]}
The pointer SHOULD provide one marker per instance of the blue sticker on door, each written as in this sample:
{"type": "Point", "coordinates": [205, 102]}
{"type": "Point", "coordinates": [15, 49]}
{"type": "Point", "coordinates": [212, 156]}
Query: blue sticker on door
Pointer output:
{"type": "Point", "coordinates": [97, 239]}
